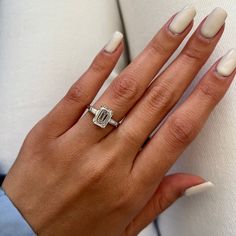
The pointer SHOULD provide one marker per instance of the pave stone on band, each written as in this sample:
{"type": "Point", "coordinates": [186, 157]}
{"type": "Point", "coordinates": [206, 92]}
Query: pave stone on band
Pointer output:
{"type": "Point", "coordinates": [103, 116]}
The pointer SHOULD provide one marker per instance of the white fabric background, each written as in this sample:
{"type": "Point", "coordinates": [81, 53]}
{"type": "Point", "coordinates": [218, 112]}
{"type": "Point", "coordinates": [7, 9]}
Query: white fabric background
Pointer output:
{"type": "Point", "coordinates": [213, 154]}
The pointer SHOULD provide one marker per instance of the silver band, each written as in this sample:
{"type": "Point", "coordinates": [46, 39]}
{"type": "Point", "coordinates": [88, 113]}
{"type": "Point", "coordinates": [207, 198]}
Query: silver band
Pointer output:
{"type": "Point", "coordinates": [102, 116]}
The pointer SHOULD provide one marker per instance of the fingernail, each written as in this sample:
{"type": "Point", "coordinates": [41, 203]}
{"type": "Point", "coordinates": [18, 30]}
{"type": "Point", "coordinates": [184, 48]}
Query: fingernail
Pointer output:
{"type": "Point", "coordinates": [182, 20]}
{"type": "Point", "coordinates": [114, 42]}
{"type": "Point", "coordinates": [213, 22]}
{"type": "Point", "coordinates": [227, 64]}
{"type": "Point", "coordinates": [198, 189]}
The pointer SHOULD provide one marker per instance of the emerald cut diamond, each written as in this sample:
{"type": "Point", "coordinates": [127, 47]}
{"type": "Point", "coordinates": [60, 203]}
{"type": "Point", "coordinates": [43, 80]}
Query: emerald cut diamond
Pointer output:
{"type": "Point", "coordinates": [102, 117]}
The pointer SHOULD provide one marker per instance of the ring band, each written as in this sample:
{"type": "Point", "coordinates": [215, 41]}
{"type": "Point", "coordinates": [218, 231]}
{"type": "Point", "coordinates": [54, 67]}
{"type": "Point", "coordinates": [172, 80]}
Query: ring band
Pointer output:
{"type": "Point", "coordinates": [103, 116]}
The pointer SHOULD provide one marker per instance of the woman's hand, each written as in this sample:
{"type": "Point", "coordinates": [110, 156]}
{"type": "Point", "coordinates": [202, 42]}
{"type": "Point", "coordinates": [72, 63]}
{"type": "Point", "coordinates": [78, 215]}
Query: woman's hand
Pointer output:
{"type": "Point", "coordinates": [74, 178]}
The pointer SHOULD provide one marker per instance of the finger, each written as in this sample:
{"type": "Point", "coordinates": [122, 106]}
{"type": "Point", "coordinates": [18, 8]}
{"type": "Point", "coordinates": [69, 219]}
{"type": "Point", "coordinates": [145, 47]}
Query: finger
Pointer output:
{"type": "Point", "coordinates": [167, 89]}
{"type": "Point", "coordinates": [127, 88]}
{"type": "Point", "coordinates": [67, 112]}
{"type": "Point", "coordinates": [185, 123]}
{"type": "Point", "coordinates": [171, 188]}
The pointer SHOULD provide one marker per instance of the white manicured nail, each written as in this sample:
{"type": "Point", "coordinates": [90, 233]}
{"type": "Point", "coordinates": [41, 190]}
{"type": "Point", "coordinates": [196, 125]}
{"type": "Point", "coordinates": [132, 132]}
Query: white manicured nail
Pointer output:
{"type": "Point", "coordinates": [198, 188]}
{"type": "Point", "coordinates": [227, 64]}
{"type": "Point", "coordinates": [213, 22]}
{"type": "Point", "coordinates": [182, 20]}
{"type": "Point", "coordinates": [114, 42]}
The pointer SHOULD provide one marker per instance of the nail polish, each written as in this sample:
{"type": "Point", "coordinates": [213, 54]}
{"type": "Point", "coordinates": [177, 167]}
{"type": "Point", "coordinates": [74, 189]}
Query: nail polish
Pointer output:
{"type": "Point", "coordinates": [198, 189]}
{"type": "Point", "coordinates": [114, 42]}
{"type": "Point", "coordinates": [182, 20]}
{"type": "Point", "coordinates": [227, 64]}
{"type": "Point", "coordinates": [213, 23]}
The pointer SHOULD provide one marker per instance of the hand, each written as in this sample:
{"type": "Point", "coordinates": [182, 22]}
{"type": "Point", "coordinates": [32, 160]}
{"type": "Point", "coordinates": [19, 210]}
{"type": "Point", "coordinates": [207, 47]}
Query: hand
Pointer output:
{"type": "Point", "coordinates": [73, 178]}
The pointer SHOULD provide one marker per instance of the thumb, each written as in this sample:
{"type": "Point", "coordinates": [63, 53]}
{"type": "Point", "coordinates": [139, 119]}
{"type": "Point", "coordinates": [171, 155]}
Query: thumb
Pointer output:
{"type": "Point", "coordinates": [170, 189]}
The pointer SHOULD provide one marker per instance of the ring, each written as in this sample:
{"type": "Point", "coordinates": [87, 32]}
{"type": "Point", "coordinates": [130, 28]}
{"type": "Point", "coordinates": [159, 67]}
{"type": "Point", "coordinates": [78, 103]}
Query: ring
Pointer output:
{"type": "Point", "coordinates": [103, 116]}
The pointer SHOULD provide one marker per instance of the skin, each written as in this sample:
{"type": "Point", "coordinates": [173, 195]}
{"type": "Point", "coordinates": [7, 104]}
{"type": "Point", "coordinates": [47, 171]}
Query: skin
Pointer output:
{"type": "Point", "coordinates": [74, 178]}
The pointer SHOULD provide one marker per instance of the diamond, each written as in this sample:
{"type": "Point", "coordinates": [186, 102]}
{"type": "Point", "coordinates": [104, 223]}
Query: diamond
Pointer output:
{"type": "Point", "coordinates": [102, 117]}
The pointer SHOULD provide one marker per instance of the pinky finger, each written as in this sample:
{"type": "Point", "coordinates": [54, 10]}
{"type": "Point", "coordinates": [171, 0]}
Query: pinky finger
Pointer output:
{"type": "Point", "coordinates": [171, 188]}
{"type": "Point", "coordinates": [66, 113]}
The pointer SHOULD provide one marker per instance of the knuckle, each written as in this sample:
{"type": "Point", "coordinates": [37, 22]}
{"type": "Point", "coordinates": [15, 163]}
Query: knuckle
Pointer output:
{"type": "Point", "coordinates": [124, 88]}
{"type": "Point", "coordinates": [192, 54]}
{"type": "Point", "coordinates": [157, 47]}
{"type": "Point", "coordinates": [77, 94]}
{"type": "Point", "coordinates": [99, 65]}
{"type": "Point", "coordinates": [182, 130]}
{"type": "Point", "coordinates": [209, 91]}
{"type": "Point", "coordinates": [160, 97]}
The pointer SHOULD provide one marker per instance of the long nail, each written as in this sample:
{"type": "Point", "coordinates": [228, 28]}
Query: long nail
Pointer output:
{"type": "Point", "coordinates": [213, 22]}
{"type": "Point", "coordinates": [227, 64]}
{"type": "Point", "coordinates": [198, 189]}
{"type": "Point", "coordinates": [182, 20]}
{"type": "Point", "coordinates": [114, 42]}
